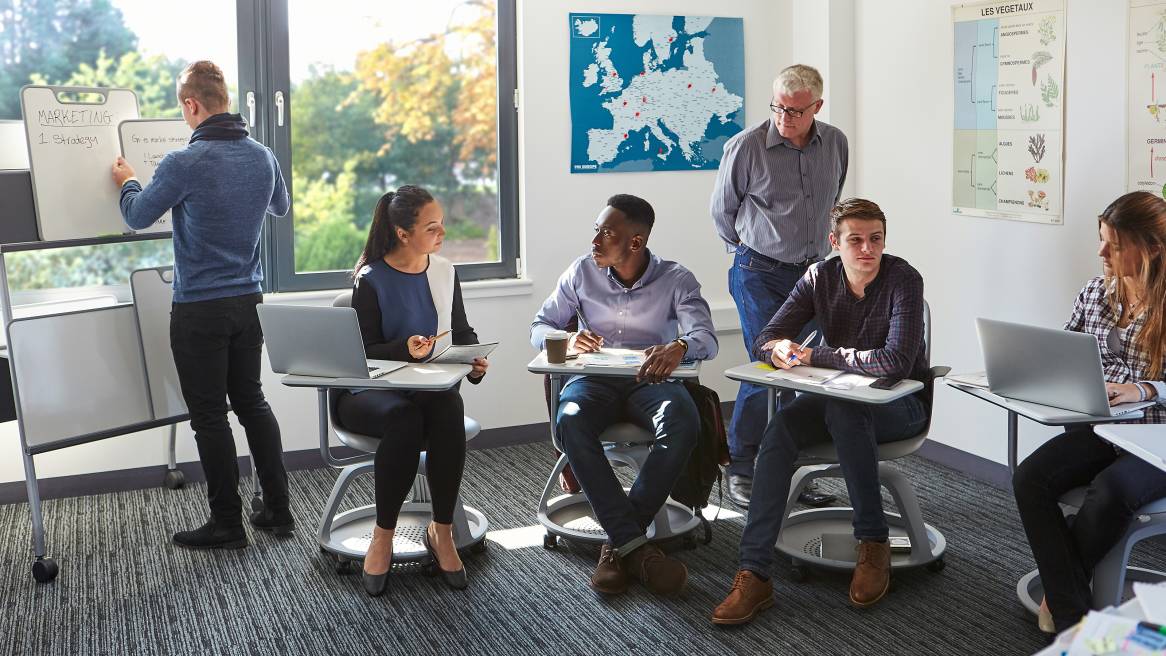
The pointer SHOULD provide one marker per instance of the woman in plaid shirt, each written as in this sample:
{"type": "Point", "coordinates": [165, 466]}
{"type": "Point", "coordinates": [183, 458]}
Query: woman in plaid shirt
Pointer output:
{"type": "Point", "coordinates": [1126, 310]}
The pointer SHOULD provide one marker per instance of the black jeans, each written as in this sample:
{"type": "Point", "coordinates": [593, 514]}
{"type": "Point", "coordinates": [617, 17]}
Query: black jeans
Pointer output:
{"type": "Point", "coordinates": [218, 348]}
{"type": "Point", "coordinates": [856, 429]}
{"type": "Point", "coordinates": [1065, 553]}
{"type": "Point", "coordinates": [409, 423]}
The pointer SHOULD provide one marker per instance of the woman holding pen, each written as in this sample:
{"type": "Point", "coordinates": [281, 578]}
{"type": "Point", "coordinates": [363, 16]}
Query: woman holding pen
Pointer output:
{"type": "Point", "coordinates": [408, 299]}
{"type": "Point", "coordinates": [1125, 308]}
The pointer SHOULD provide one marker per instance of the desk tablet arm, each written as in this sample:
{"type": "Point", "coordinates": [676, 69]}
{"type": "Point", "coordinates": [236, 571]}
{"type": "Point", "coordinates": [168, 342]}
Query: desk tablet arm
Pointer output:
{"type": "Point", "coordinates": [939, 372]}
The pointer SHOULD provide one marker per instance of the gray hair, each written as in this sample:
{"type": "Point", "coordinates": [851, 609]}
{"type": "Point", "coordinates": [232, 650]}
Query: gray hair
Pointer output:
{"type": "Point", "coordinates": [798, 77]}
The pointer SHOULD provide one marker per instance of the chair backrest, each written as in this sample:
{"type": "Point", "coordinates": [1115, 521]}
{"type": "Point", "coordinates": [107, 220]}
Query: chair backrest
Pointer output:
{"type": "Point", "coordinates": [343, 299]}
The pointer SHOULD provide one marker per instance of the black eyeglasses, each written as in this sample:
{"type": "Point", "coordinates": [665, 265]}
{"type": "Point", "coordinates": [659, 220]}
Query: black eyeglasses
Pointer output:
{"type": "Point", "coordinates": [793, 113]}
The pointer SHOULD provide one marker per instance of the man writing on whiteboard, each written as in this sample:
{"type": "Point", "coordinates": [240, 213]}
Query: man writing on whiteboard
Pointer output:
{"type": "Point", "coordinates": [219, 188]}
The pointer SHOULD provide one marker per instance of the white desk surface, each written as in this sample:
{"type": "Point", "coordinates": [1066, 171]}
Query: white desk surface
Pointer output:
{"type": "Point", "coordinates": [539, 365]}
{"type": "Point", "coordinates": [1146, 441]}
{"type": "Point", "coordinates": [1042, 414]}
{"type": "Point", "coordinates": [757, 373]}
{"type": "Point", "coordinates": [413, 376]}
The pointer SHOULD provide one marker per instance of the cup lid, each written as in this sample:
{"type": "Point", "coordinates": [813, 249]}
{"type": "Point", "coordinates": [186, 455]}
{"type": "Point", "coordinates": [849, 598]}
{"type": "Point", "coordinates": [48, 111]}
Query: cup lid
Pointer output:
{"type": "Point", "coordinates": [558, 334]}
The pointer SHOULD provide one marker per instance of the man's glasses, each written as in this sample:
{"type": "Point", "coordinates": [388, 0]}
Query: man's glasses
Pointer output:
{"type": "Point", "coordinates": [793, 113]}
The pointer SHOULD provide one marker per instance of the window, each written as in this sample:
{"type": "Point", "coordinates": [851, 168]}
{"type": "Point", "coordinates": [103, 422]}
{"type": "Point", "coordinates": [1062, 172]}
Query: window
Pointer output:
{"type": "Point", "coordinates": [374, 95]}
{"type": "Point", "coordinates": [384, 94]}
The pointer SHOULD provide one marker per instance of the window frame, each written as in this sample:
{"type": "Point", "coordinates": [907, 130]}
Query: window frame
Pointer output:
{"type": "Point", "coordinates": [273, 73]}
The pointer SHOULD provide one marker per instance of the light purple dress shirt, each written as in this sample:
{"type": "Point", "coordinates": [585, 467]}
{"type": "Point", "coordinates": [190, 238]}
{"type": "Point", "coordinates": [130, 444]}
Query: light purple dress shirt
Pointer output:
{"type": "Point", "coordinates": [665, 303]}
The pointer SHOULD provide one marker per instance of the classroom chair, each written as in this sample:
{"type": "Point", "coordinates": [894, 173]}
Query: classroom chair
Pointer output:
{"type": "Point", "coordinates": [802, 532]}
{"type": "Point", "coordinates": [1112, 573]}
{"type": "Point", "coordinates": [344, 536]}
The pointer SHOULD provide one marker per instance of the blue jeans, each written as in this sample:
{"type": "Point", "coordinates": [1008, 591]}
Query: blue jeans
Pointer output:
{"type": "Point", "coordinates": [1065, 553]}
{"type": "Point", "coordinates": [759, 285]}
{"type": "Point", "coordinates": [587, 407]}
{"type": "Point", "coordinates": [856, 430]}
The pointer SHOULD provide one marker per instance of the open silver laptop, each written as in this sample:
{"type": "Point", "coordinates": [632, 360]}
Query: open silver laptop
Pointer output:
{"type": "Point", "coordinates": [308, 340]}
{"type": "Point", "coordinates": [1060, 368]}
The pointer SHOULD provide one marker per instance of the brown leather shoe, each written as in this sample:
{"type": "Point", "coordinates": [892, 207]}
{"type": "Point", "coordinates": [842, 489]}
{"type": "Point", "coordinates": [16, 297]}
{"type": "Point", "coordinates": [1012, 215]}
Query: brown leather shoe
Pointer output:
{"type": "Point", "coordinates": [872, 574]}
{"type": "Point", "coordinates": [659, 573]}
{"type": "Point", "coordinates": [609, 577]}
{"type": "Point", "coordinates": [749, 596]}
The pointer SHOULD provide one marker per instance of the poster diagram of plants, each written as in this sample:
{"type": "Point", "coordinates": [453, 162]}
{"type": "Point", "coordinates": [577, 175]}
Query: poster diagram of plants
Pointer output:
{"type": "Point", "coordinates": [1009, 80]}
{"type": "Point", "coordinates": [1146, 142]}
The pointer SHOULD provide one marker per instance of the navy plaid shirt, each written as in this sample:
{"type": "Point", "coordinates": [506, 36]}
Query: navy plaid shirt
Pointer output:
{"type": "Point", "coordinates": [1120, 357]}
{"type": "Point", "coordinates": [880, 334]}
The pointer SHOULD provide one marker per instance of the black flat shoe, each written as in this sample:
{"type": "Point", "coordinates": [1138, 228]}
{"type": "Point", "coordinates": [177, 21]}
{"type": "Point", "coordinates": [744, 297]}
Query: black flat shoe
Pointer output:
{"type": "Point", "coordinates": [374, 584]}
{"type": "Point", "coordinates": [456, 580]}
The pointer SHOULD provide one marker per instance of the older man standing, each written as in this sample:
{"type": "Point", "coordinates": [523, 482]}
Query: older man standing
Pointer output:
{"type": "Point", "coordinates": [775, 187]}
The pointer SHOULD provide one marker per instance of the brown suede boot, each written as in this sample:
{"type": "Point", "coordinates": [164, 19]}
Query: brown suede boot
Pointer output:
{"type": "Point", "coordinates": [609, 577]}
{"type": "Point", "coordinates": [872, 574]}
{"type": "Point", "coordinates": [749, 596]}
{"type": "Point", "coordinates": [659, 573]}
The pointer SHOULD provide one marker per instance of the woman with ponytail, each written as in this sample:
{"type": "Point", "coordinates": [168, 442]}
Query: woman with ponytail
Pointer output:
{"type": "Point", "coordinates": [1125, 308]}
{"type": "Point", "coordinates": [406, 298]}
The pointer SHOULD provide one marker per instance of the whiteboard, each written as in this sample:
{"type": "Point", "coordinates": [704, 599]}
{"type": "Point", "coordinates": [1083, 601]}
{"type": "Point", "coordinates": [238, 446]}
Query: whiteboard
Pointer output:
{"type": "Point", "coordinates": [71, 149]}
{"type": "Point", "coordinates": [13, 146]}
{"type": "Point", "coordinates": [144, 142]}
{"type": "Point", "coordinates": [78, 373]}
{"type": "Point", "coordinates": [153, 292]}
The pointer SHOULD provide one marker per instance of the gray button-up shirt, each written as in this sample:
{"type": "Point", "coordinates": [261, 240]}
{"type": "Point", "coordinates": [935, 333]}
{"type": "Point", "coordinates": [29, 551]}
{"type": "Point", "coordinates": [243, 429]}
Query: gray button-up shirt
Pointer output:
{"type": "Point", "coordinates": [665, 303]}
{"type": "Point", "coordinates": [774, 197]}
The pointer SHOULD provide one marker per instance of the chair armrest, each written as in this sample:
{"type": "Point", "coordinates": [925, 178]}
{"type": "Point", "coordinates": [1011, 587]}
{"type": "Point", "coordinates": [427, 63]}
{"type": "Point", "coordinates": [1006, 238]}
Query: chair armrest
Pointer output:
{"type": "Point", "coordinates": [939, 372]}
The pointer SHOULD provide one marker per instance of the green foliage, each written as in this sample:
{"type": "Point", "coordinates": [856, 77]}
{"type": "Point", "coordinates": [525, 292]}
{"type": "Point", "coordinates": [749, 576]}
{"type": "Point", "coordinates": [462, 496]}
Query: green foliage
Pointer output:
{"type": "Point", "coordinates": [493, 245]}
{"type": "Point", "coordinates": [460, 229]}
{"type": "Point", "coordinates": [153, 80]}
{"type": "Point", "coordinates": [325, 237]}
{"type": "Point", "coordinates": [107, 264]}
{"type": "Point", "coordinates": [50, 38]}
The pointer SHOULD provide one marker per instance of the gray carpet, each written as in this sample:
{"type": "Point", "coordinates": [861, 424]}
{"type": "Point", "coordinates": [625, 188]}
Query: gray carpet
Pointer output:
{"type": "Point", "coordinates": [124, 588]}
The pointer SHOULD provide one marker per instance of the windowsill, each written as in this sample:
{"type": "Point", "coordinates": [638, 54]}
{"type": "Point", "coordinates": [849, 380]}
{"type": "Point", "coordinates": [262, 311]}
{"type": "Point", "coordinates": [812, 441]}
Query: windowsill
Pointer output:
{"type": "Point", "coordinates": [471, 289]}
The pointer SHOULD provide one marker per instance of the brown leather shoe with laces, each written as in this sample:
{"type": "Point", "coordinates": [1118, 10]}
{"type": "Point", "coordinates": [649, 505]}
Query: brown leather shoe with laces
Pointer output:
{"type": "Point", "coordinates": [872, 574]}
{"type": "Point", "coordinates": [663, 575]}
{"type": "Point", "coordinates": [749, 596]}
{"type": "Point", "coordinates": [609, 577]}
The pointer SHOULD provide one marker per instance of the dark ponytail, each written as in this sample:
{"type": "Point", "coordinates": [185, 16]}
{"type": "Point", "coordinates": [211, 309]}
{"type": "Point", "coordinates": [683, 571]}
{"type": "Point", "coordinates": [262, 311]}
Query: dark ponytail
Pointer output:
{"type": "Point", "coordinates": [394, 210]}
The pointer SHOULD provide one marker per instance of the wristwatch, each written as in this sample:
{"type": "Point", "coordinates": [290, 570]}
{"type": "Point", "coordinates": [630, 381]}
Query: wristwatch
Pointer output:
{"type": "Point", "coordinates": [683, 343]}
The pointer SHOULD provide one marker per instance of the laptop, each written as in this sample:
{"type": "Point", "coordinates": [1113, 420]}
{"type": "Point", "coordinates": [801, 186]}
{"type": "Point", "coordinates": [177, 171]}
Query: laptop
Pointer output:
{"type": "Point", "coordinates": [1058, 368]}
{"type": "Point", "coordinates": [307, 340]}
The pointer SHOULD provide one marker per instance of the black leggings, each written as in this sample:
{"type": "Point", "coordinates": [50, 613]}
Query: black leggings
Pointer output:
{"type": "Point", "coordinates": [409, 423]}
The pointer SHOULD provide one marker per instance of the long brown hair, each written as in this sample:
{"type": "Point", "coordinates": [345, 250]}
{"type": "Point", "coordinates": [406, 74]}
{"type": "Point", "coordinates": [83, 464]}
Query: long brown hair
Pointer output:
{"type": "Point", "coordinates": [1139, 221]}
{"type": "Point", "coordinates": [396, 209]}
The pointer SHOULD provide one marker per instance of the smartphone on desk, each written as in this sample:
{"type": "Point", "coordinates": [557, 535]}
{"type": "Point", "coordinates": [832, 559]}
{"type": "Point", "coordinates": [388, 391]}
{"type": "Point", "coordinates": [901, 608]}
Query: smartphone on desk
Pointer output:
{"type": "Point", "coordinates": [885, 383]}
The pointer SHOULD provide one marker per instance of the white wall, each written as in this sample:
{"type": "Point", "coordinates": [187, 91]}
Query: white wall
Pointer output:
{"type": "Point", "coordinates": [558, 210]}
{"type": "Point", "coordinates": [982, 267]}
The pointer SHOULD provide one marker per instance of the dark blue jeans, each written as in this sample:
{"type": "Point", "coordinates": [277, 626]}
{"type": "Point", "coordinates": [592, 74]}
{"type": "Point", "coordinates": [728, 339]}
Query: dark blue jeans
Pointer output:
{"type": "Point", "coordinates": [587, 407]}
{"type": "Point", "coordinates": [856, 430]}
{"type": "Point", "coordinates": [1065, 553]}
{"type": "Point", "coordinates": [759, 285]}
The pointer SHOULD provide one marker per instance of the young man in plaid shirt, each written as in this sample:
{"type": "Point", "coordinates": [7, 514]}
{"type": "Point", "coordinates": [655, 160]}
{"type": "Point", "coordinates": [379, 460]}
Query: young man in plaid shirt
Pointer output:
{"type": "Point", "coordinates": [870, 310]}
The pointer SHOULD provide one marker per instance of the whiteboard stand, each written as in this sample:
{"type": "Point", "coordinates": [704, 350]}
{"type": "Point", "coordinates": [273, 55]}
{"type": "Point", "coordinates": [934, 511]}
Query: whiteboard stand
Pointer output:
{"type": "Point", "coordinates": [36, 352]}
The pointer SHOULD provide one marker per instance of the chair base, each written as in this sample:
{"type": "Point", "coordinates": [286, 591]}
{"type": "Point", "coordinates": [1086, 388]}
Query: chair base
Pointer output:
{"type": "Point", "coordinates": [570, 517]}
{"type": "Point", "coordinates": [351, 532]}
{"type": "Point", "coordinates": [801, 540]}
{"type": "Point", "coordinates": [1030, 591]}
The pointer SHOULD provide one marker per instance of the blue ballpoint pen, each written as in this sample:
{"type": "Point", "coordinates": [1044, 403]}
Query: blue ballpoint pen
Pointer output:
{"type": "Point", "coordinates": [794, 356]}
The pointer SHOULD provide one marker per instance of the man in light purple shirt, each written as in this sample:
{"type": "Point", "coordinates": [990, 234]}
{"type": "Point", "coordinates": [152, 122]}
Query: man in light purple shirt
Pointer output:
{"type": "Point", "coordinates": [625, 297]}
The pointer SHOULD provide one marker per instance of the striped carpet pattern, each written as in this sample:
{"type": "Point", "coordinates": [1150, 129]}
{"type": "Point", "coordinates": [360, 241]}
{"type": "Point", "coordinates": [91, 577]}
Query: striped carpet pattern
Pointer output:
{"type": "Point", "coordinates": [124, 589]}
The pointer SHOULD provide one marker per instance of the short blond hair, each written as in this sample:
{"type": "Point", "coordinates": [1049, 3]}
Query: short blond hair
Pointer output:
{"type": "Point", "coordinates": [204, 81]}
{"type": "Point", "coordinates": [798, 77]}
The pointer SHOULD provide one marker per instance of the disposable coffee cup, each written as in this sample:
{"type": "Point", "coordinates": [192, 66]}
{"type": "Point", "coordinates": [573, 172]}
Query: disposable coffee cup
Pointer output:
{"type": "Point", "coordinates": [556, 345]}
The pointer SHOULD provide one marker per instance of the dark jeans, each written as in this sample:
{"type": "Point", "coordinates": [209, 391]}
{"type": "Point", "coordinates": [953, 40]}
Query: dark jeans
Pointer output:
{"type": "Point", "coordinates": [856, 430]}
{"type": "Point", "coordinates": [587, 407]}
{"type": "Point", "coordinates": [759, 285]}
{"type": "Point", "coordinates": [1066, 553]}
{"type": "Point", "coordinates": [409, 423]}
{"type": "Point", "coordinates": [218, 348]}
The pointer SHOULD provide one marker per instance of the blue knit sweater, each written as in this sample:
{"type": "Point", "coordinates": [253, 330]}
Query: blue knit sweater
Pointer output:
{"type": "Point", "coordinates": [220, 192]}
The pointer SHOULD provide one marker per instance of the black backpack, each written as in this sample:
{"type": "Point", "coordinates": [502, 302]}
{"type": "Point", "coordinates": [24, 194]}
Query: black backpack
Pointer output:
{"type": "Point", "coordinates": [703, 470]}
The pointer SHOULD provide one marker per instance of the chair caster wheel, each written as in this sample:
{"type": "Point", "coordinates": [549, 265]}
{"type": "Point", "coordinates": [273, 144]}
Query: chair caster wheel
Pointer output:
{"type": "Point", "coordinates": [798, 574]}
{"type": "Point", "coordinates": [550, 541]}
{"type": "Point", "coordinates": [44, 570]}
{"type": "Point", "coordinates": [174, 479]}
{"type": "Point", "coordinates": [479, 547]}
{"type": "Point", "coordinates": [936, 566]}
{"type": "Point", "coordinates": [343, 566]}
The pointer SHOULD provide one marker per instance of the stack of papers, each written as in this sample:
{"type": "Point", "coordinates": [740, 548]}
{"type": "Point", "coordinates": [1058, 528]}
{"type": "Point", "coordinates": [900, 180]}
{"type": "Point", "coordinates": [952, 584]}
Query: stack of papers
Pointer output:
{"type": "Point", "coordinates": [1106, 632]}
{"type": "Point", "coordinates": [974, 379]}
{"type": "Point", "coordinates": [612, 358]}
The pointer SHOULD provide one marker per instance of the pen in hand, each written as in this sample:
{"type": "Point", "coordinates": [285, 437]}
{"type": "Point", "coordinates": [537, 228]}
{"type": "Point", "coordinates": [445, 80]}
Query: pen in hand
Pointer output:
{"type": "Point", "coordinates": [437, 336]}
{"type": "Point", "coordinates": [809, 338]}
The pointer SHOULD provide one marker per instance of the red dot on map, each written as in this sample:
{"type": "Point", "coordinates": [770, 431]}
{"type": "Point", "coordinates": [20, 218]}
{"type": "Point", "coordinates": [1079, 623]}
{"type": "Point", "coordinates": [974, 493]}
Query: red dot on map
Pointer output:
{"type": "Point", "coordinates": [669, 39]}
{"type": "Point", "coordinates": [637, 114]}
{"type": "Point", "coordinates": [661, 151]}
{"type": "Point", "coordinates": [690, 85]}
{"type": "Point", "coordinates": [645, 99]}
{"type": "Point", "coordinates": [625, 103]}
{"type": "Point", "coordinates": [625, 135]}
{"type": "Point", "coordinates": [642, 73]}
{"type": "Point", "coordinates": [714, 90]}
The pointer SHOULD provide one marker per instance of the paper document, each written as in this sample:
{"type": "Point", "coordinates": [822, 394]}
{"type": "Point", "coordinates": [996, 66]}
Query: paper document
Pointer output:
{"type": "Point", "coordinates": [807, 375]}
{"type": "Point", "coordinates": [974, 379]}
{"type": "Point", "coordinates": [1152, 598]}
{"type": "Point", "coordinates": [463, 353]}
{"type": "Point", "coordinates": [611, 357]}
{"type": "Point", "coordinates": [1105, 633]}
